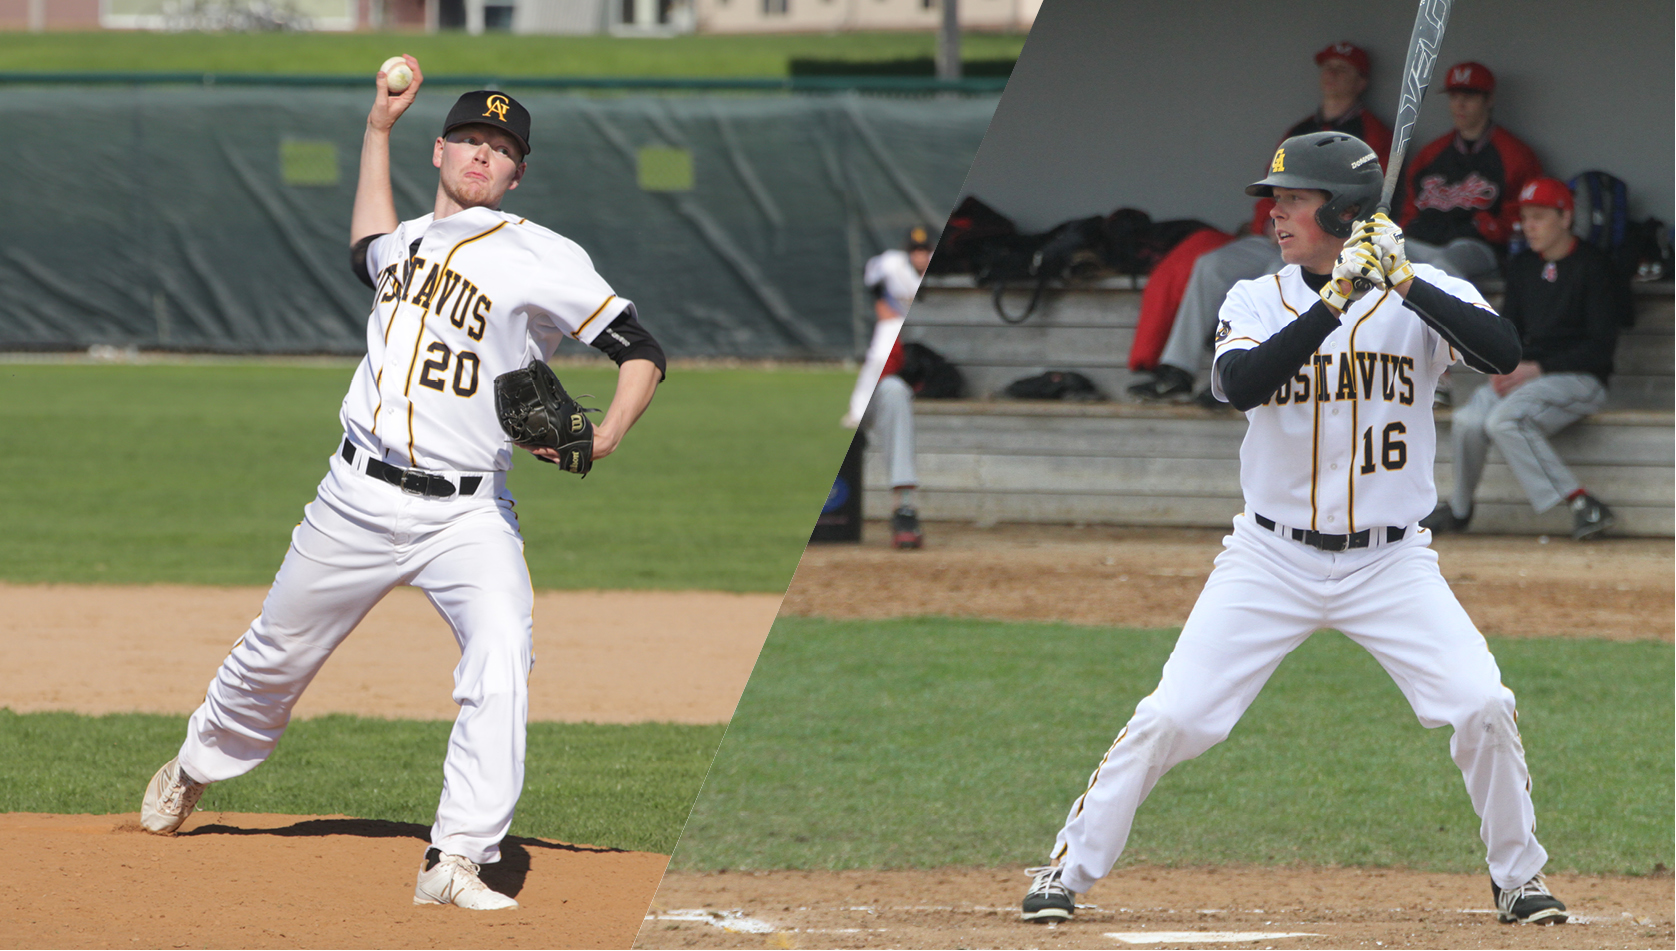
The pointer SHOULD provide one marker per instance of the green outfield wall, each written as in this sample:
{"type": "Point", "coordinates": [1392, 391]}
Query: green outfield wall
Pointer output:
{"type": "Point", "coordinates": [215, 217]}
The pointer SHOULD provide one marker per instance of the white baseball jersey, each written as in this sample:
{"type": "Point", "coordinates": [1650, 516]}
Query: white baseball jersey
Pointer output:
{"type": "Point", "coordinates": [894, 272]}
{"type": "Point", "coordinates": [1348, 442]}
{"type": "Point", "coordinates": [482, 293]}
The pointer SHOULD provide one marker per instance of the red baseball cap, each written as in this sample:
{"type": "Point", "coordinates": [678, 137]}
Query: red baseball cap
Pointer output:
{"type": "Point", "coordinates": [1470, 77]}
{"type": "Point", "coordinates": [1547, 193]}
{"type": "Point", "coordinates": [1349, 52]}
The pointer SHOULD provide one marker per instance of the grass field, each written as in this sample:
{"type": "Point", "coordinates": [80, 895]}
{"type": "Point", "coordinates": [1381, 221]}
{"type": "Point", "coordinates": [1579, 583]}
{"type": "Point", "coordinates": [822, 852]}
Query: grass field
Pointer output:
{"type": "Point", "coordinates": [625, 787]}
{"type": "Point", "coordinates": [197, 473]}
{"type": "Point", "coordinates": [935, 742]}
{"type": "Point", "coordinates": [497, 54]}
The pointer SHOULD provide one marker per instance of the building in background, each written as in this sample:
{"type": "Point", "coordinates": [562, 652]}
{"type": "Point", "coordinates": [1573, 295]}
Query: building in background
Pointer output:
{"type": "Point", "coordinates": [575, 17]}
{"type": "Point", "coordinates": [780, 16]}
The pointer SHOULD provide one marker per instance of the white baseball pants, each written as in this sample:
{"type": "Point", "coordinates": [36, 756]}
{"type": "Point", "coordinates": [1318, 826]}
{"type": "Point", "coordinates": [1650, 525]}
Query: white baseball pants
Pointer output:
{"type": "Point", "coordinates": [1265, 597]}
{"type": "Point", "coordinates": [359, 538]}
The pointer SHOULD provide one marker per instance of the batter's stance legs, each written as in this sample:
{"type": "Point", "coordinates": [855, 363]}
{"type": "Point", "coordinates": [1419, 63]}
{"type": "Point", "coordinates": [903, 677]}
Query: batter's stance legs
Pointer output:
{"type": "Point", "coordinates": [1390, 600]}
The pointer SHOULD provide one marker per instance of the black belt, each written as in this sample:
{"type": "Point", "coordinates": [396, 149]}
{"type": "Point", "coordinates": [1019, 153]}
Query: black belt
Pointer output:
{"type": "Point", "coordinates": [1315, 539]}
{"type": "Point", "coordinates": [413, 481]}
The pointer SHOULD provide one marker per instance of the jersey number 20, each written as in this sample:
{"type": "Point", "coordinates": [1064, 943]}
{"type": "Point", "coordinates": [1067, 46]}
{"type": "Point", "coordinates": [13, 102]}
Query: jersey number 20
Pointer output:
{"type": "Point", "coordinates": [465, 369]}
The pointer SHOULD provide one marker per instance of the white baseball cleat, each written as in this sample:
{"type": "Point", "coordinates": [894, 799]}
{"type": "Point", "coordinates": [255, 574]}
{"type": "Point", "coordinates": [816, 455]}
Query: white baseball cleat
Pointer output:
{"type": "Point", "coordinates": [451, 880]}
{"type": "Point", "coordinates": [169, 799]}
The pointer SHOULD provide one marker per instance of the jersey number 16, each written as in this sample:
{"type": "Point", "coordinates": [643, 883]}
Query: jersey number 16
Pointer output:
{"type": "Point", "coordinates": [1393, 452]}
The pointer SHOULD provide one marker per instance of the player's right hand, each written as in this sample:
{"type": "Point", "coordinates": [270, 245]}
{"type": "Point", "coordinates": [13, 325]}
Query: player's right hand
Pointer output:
{"type": "Point", "coordinates": [1356, 272]}
{"type": "Point", "coordinates": [1386, 238]}
{"type": "Point", "coordinates": [386, 109]}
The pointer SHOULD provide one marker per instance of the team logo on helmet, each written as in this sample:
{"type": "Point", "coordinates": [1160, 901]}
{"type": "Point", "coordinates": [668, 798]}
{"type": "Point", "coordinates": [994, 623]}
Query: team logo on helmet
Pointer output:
{"type": "Point", "coordinates": [1279, 163]}
{"type": "Point", "coordinates": [498, 105]}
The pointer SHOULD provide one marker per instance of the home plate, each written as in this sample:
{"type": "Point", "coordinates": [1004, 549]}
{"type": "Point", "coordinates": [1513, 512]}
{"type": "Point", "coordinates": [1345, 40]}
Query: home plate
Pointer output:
{"type": "Point", "coordinates": [1203, 937]}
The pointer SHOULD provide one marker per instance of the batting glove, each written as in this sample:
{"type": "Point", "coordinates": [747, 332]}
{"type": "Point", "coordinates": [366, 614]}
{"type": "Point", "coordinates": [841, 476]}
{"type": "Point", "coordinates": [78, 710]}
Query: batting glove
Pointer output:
{"type": "Point", "coordinates": [1356, 273]}
{"type": "Point", "coordinates": [1386, 238]}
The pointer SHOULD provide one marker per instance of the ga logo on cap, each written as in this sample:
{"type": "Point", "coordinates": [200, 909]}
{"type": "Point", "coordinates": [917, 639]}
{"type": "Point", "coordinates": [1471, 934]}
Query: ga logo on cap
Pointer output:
{"type": "Point", "coordinates": [498, 105]}
{"type": "Point", "coordinates": [1279, 163]}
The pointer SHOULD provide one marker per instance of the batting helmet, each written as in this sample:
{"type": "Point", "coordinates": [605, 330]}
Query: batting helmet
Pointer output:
{"type": "Point", "coordinates": [1341, 165]}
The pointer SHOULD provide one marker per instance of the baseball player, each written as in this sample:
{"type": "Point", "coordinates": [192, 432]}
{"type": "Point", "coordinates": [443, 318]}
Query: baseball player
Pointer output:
{"type": "Point", "coordinates": [416, 489]}
{"type": "Point", "coordinates": [1560, 296]}
{"type": "Point", "coordinates": [881, 400]}
{"type": "Point", "coordinates": [1336, 469]}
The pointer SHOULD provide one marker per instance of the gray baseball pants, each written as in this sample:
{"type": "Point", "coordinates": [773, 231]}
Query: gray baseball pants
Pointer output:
{"type": "Point", "coordinates": [890, 422]}
{"type": "Point", "coordinates": [1519, 425]}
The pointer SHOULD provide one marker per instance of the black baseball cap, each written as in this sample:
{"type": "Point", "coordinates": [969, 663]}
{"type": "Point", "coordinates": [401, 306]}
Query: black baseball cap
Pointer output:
{"type": "Point", "coordinates": [491, 108]}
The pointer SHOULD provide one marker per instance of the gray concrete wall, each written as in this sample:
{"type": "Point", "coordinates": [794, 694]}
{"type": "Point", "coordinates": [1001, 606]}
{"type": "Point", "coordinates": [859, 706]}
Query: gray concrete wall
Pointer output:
{"type": "Point", "coordinates": [1172, 107]}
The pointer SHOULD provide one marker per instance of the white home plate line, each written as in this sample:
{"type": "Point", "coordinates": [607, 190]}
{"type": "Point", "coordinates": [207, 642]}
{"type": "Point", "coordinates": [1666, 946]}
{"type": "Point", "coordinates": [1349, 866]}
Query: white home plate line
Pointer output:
{"type": "Point", "coordinates": [734, 921]}
{"type": "Point", "coordinates": [1204, 937]}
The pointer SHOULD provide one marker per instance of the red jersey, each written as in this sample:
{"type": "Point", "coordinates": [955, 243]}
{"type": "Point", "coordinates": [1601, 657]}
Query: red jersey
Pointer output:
{"type": "Point", "coordinates": [1460, 189]}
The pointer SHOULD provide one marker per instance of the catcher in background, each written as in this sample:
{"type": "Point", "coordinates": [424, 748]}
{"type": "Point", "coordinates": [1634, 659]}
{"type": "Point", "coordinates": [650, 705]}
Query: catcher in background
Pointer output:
{"type": "Point", "coordinates": [416, 490]}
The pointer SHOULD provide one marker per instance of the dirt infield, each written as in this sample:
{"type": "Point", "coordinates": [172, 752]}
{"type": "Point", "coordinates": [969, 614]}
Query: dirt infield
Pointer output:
{"type": "Point", "coordinates": [260, 881]}
{"type": "Point", "coordinates": [243, 881]}
{"type": "Point", "coordinates": [153, 649]}
{"type": "Point", "coordinates": [965, 908]}
{"type": "Point", "coordinates": [1513, 586]}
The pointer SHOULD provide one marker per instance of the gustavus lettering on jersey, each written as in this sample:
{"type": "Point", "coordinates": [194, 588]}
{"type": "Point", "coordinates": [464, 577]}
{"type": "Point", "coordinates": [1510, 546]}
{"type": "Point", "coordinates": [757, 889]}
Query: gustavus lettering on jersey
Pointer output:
{"type": "Point", "coordinates": [443, 291]}
{"type": "Point", "coordinates": [1373, 376]}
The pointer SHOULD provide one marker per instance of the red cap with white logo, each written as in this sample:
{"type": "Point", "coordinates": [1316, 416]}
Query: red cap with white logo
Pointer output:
{"type": "Point", "coordinates": [1469, 77]}
{"type": "Point", "coordinates": [1546, 193]}
{"type": "Point", "coordinates": [1349, 52]}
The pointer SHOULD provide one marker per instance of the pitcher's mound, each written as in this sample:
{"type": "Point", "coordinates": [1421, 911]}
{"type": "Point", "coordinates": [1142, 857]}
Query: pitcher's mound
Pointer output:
{"type": "Point", "coordinates": [232, 880]}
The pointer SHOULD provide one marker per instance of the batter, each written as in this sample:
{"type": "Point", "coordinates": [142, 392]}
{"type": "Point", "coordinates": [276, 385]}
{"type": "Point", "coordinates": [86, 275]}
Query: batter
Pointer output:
{"type": "Point", "coordinates": [1336, 470]}
{"type": "Point", "coordinates": [416, 490]}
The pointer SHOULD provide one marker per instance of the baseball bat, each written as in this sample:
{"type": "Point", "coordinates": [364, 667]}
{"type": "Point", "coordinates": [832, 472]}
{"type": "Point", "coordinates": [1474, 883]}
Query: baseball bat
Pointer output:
{"type": "Point", "coordinates": [1423, 44]}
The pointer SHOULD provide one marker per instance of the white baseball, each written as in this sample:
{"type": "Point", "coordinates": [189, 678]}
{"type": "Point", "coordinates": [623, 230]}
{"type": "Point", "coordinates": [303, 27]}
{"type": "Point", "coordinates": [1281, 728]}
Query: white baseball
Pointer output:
{"type": "Point", "coordinates": [397, 74]}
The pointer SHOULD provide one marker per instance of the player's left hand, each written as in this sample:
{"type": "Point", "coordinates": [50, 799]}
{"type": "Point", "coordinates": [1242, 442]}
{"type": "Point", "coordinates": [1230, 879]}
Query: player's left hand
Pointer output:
{"type": "Point", "coordinates": [1386, 238]}
{"type": "Point", "coordinates": [605, 442]}
{"type": "Point", "coordinates": [1356, 272]}
{"type": "Point", "coordinates": [1526, 371]}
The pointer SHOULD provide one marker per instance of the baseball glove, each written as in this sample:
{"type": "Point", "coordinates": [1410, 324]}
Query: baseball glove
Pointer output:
{"type": "Point", "coordinates": [537, 413]}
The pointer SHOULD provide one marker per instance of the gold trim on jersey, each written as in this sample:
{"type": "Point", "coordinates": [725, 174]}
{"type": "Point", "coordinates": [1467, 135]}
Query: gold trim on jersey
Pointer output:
{"type": "Point", "coordinates": [1315, 409]}
{"type": "Point", "coordinates": [1230, 340]}
{"type": "Point", "coordinates": [584, 325]}
{"type": "Point", "coordinates": [419, 338]}
{"type": "Point", "coordinates": [1355, 414]}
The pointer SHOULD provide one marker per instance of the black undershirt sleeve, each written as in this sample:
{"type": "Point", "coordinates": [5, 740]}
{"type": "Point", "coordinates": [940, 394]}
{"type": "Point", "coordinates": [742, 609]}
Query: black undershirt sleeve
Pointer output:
{"type": "Point", "coordinates": [358, 259]}
{"type": "Point", "coordinates": [626, 339]}
{"type": "Point", "coordinates": [1487, 341]}
{"type": "Point", "coordinates": [1249, 377]}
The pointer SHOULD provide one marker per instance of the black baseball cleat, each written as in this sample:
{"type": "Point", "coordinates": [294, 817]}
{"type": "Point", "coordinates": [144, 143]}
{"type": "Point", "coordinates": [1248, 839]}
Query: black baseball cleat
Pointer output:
{"type": "Point", "coordinates": [1529, 904]}
{"type": "Point", "coordinates": [1047, 900]}
{"type": "Point", "coordinates": [1167, 383]}
{"type": "Point", "coordinates": [1443, 520]}
{"type": "Point", "coordinates": [904, 528]}
{"type": "Point", "coordinates": [1589, 517]}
